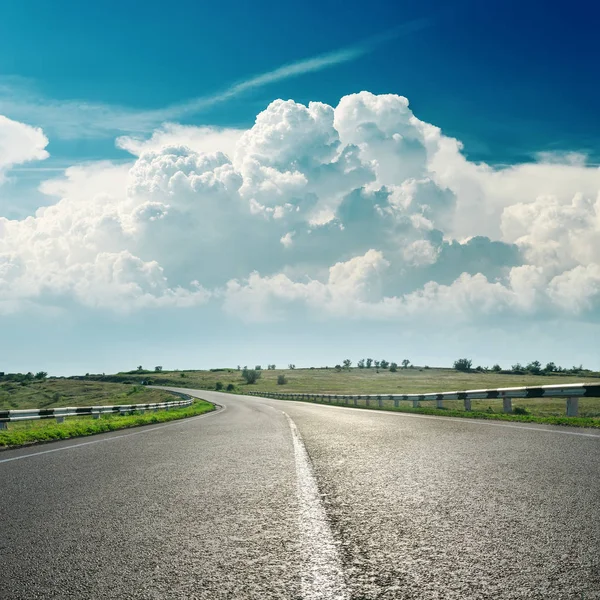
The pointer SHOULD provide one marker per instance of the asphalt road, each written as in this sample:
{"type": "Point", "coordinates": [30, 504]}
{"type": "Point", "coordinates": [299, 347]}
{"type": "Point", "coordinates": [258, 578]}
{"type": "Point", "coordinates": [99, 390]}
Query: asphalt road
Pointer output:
{"type": "Point", "coordinates": [275, 499]}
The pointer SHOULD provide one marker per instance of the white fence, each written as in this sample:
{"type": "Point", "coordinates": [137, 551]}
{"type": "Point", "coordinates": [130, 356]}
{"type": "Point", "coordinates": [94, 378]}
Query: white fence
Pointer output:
{"type": "Point", "coordinates": [8, 416]}
{"type": "Point", "coordinates": [570, 392]}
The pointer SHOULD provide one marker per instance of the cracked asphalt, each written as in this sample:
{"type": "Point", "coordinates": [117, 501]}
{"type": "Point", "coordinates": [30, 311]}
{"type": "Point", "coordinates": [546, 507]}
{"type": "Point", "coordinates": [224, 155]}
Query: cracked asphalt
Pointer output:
{"type": "Point", "coordinates": [207, 508]}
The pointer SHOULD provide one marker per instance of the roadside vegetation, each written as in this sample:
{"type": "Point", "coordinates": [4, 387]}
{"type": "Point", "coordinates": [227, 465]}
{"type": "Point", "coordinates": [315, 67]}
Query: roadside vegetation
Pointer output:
{"type": "Point", "coordinates": [47, 430]}
{"type": "Point", "coordinates": [17, 391]}
{"type": "Point", "coordinates": [23, 391]}
{"type": "Point", "coordinates": [374, 376]}
{"type": "Point", "coordinates": [365, 376]}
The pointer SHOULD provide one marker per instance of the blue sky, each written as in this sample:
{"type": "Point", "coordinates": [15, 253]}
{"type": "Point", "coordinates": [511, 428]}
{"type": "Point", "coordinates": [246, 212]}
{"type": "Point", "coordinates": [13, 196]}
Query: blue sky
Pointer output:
{"type": "Point", "coordinates": [513, 82]}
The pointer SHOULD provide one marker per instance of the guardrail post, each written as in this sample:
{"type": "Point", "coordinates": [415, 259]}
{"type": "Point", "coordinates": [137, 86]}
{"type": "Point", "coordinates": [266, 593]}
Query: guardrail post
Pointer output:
{"type": "Point", "coordinates": [95, 415]}
{"type": "Point", "coordinates": [506, 404]}
{"type": "Point", "coordinates": [415, 404]}
{"type": "Point", "coordinates": [467, 403]}
{"type": "Point", "coordinates": [396, 402]}
{"type": "Point", "coordinates": [439, 403]}
{"type": "Point", "coordinates": [60, 419]}
{"type": "Point", "coordinates": [355, 401]}
{"type": "Point", "coordinates": [572, 407]}
{"type": "Point", "coordinates": [368, 400]}
{"type": "Point", "coordinates": [380, 401]}
{"type": "Point", "coordinates": [3, 425]}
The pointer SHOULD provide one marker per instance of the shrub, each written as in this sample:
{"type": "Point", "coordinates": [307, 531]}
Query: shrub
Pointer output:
{"type": "Point", "coordinates": [534, 367]}
{"type": "Point", "coordinates": [384, 364]}
{"type": "Point", "coordinates": [496, 368]}
{"type": "Point", "coordinates": [281, 380]}
{"type": "Point", "coordinates": [258, 368]}
{"type": "Point", "coordinates": [520, 410]}
{"type": "Point", "coordinates": [219, 386]}
{"type": "Point", "coordinates": [182, 375]}
{"type": "Point", "coordinates": [230, 387]}
{"type": "Point", "coordinates": [463, 364]}
{"type": "Point", "coordinates": [393, 367]}
{"type": "Point", "coordinates": [251, 375]}
{"type": "Point", "coordinates": [338, 368]}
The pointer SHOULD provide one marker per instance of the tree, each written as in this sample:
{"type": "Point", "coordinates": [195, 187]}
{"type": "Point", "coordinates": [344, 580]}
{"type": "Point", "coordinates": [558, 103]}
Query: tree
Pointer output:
{"type": "Point", "coordinates": [291, 366]}
{"type": "Point", "coordinates": [41, 375]}
{"type": "Point", "coordinates": [251, 375]}
{"type": "Point", "coordinates": [347, 364]}
{"type": "Point", "coordinates": [338, 368]}
{"type": "Point", "coordinates": [369, 362]}
{"type": "Point", "coordinates": [219, 386]}
{"type": "Point", "coordinates": [405, 363]}
{"type": "Point", "coordinates": [239, 368]}
{"type": "Point", "coordinates": [463, 364]}
{"type": "Point", "coordinates": [550, 367]}
{"type": "Point", "coordinates": [230, 387]}
{"type": "Point", "coordinates": [496, 368]}
{"type": "Point", "coordinates": [281, 380]}
{"type": "Point", "coordinates": [384, 364]}
{"type": "Point", "coordinates": [517, 367]}
{"type": "Point", "coordinates": [361, 363]}
{"type": "Point", "coordinates": [393, 367]}
{"type": "Point", "coordinates": [377, 363]}
{"type": "Point", "coordinates": [534, 367]}
{"type": "Point", "coordinates": [140, 368]}
{"type": "Point", "coordinates": [159, 368]}
{"type": "Point", "coordinates": [258, 368]}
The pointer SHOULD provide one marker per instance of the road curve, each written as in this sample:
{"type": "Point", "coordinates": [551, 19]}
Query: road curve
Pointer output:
{"type": "Point", "coordinates": [276, 499]}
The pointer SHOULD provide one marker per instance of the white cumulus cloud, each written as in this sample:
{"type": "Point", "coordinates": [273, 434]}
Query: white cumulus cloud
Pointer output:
{"type": "Point", "coordinates": [355, 211]}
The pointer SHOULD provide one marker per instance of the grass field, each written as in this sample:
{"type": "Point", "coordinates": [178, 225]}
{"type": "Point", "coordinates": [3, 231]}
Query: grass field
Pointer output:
{"type": "Point", "coordinates": [354, 381]}
{"type": "Point", "coordinates": [369, 381]}
{"type": "Point", "coordinates": [126, 388]}
{"type": "Point", "coordinates": [52, 393]}
{"type": "Point", "coordinates": [30, 432]}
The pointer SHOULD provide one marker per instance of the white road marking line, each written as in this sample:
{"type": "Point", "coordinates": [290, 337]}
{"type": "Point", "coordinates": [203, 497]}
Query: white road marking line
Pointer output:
{"type": "Point", "coordinates": [110, 439]}
{"type": "Point", "coordinates": [439, 418]}
{"type": "Point", "coordinates": [322, 577]}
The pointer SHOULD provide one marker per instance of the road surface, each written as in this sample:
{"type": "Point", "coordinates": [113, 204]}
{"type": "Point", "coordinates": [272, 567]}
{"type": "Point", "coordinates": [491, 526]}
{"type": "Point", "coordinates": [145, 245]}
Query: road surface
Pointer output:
{"type": "Point", "coordinates": [275, 499]}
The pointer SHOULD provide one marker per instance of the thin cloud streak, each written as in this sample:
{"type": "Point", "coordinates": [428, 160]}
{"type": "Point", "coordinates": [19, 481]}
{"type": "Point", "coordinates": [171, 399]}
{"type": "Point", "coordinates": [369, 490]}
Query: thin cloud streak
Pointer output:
{"type": "Point", "coordinates": [74, 119]}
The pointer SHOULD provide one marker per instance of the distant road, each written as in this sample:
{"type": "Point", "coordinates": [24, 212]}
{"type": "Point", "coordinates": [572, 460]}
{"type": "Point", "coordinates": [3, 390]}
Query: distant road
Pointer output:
{"type": "Point", "coordinates": [274, 499]}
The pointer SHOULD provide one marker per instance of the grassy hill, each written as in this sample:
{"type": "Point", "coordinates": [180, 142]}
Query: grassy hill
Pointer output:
{"type": "Point", "coordinates": [353, 381]}
{"type": "Point", "coordinates": [370, 381]}
{"type": "Point", "coordinates": [52, 392]}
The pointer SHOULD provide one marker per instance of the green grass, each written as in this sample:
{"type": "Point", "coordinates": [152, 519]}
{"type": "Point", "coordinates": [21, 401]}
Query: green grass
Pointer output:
{"type": "Point", "coordinates": [416, 380]}
{"type": "Point", "coordinates": [30, 432]}
{"type": "Point", "coordinates": [52, 393]}
{"type": "Point", "coordinates": [355, 381]}
{"type": "Point", "coordinates": [476, 414]}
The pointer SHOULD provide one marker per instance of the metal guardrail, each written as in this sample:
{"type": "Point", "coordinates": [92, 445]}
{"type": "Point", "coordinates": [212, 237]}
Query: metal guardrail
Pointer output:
{"type": "Point", "coordinates": [9, 416]}
{"type": "Point", "coordinates": [571, 392]}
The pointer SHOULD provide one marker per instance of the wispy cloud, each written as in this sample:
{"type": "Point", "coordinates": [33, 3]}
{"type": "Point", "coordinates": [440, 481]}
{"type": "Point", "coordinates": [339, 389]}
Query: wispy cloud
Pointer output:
{"type": "Point", "coordinates": [74, 119]}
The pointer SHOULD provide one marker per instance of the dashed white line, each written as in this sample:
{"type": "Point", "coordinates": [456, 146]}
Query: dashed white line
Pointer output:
{"type": "Point", "coordinates": [322, 576]}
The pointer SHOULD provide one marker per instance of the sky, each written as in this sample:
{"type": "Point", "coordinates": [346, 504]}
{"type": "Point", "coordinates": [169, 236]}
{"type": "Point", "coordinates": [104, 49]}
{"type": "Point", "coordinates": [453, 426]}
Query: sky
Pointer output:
{"type": "Point", "coordinates": [194, 187]}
